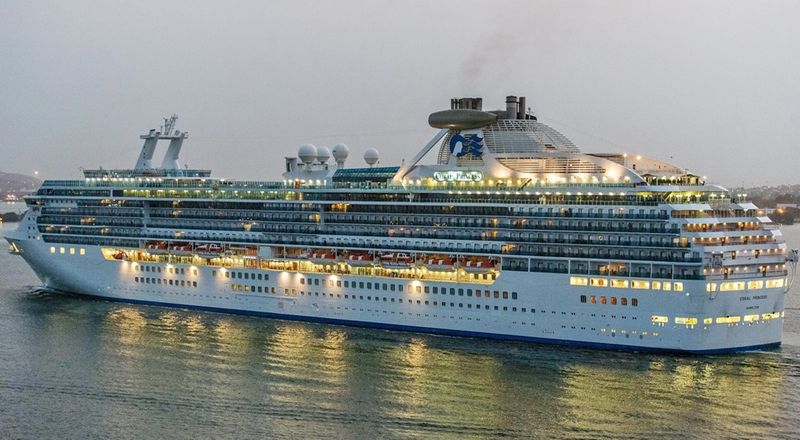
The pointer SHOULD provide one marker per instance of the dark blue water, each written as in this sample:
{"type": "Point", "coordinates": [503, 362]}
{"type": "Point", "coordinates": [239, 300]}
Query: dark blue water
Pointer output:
{"type": "Point", "coordinates": [78, 368]}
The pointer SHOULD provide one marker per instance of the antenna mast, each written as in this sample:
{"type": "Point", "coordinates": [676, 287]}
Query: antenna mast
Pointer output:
{"type": "Point", "coordinates": [169, 124]}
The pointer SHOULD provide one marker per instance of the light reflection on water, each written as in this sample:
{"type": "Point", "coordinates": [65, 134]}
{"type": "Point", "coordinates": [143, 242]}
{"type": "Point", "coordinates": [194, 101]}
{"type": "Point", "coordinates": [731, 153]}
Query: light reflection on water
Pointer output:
{"type": "Point", "coordinates": [103, 369]}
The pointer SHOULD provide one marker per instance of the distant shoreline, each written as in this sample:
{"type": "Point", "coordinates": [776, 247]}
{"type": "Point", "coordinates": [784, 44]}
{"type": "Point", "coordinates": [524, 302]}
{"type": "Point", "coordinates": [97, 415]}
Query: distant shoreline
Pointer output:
{"type": "Point", "coordinates": [11, 217]}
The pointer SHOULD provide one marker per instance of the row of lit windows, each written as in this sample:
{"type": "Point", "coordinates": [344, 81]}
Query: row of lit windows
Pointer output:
{"type": "Point", "coordinates": [241, 275]}
{"type": "Point", "coordinates": [663, 320]}
{"type": "Point", "coordinates": [382, 286]}
{"type": "Point", "coordinates": [729, 286]}
{"type": "Point", "coordinates": [71, 251]}
{"type": "Point", "coordinates": [163, 281]}
{"type": "Point", "coordinates": [626, 284]}
{"type": "Point", "coordinates": [169, 269]}
{"type": "Point", "coordinates": [294, 292]}
{"type": "Point", "coordinates": [623, 301]}
{"type": "Point", "coordinates": [613, 332]}
{"type": "Point", "coordinates": [414, 288]}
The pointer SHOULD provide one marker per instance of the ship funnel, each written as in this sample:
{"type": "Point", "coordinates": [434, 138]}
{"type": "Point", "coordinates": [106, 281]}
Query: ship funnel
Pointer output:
{"type": "Point", "coordinates": [511, 107]}
{"type": "Point", "coordinates": [522, 112]}
{"type": "Point", "coordinates": [466, 104]}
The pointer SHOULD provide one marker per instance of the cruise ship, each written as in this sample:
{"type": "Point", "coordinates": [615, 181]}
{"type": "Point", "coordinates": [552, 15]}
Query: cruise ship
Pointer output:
{"type": "Point", "coordinates": [499, 227]}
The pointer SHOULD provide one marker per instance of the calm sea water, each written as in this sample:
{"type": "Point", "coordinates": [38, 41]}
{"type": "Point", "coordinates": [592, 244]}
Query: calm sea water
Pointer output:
{"type": "Point", "coordinates": [78, 368]}
{"type": "Point", "coordinates": [18, 207]}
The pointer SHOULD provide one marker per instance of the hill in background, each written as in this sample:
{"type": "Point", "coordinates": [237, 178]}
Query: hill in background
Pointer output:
{"type": "Point", "coordinates": [17, 184]}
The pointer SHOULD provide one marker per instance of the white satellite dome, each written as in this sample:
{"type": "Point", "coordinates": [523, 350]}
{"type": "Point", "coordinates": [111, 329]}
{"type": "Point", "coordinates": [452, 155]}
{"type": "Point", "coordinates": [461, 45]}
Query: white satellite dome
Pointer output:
{"type": "Point", "coordinates": [307, 153]}
{"type": "Point", "coordinates": [340, 153]}
{"type": "Point", "coordinates": [323, 154]}
{"type": "Point", "coordinates": [371, 156]}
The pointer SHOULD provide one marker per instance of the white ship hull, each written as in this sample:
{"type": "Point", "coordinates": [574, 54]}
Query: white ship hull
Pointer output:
{"type": "Point", "coordinates": [547, 244]}
{"type": "Point", "coordinates": [552, 312]}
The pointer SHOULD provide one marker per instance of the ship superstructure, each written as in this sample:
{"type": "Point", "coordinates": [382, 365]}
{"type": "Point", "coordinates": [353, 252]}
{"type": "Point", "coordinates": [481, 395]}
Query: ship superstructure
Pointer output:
{"type": "Point", "coordinates": [510, 233]}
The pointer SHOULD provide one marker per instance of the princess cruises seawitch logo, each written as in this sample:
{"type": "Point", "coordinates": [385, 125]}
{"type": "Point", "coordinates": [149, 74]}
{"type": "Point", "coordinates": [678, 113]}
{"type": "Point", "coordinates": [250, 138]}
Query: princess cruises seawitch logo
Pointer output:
{"type": "Point", "coordinates": [461, 145]}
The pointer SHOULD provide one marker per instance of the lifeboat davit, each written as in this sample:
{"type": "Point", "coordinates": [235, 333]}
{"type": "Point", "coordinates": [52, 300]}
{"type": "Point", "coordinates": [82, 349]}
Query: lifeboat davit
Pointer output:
{"type": "Point", "coordinates": [397, 261]}
{"type": "Point", "coordinates": [323, 257]}
{"type": "Point", "coordinates": [360, 260]}
{"type": "Point", "coordinates": [439, 263]}
{"type": "Point", "coordinates": [479, 265]}
{"type": "Point", "coordinates": [157, 247]}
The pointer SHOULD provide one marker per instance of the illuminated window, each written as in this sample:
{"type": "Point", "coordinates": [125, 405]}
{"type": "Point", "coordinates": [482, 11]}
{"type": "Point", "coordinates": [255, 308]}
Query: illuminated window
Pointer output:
{"type": "Point", "coordinates": [593, 299]}
{"type": "Point", "coordinates": [658, 319]}
{"type": "Point", "coordinates": [728, 319]}
{"type": "Point", "coordinates": [640, 284]}
{"type": "Point", "coordinates": [61, 250]}
{"type": "Point", "coordinates": [52, 249]}
{"type": "Point", "coordinates": [766, 316]}
{"type": "Point", "coordinates": [578, 281]}
{"type": "Point", "coordinates": [678, 286]}
{"type": "Point", "coordinates": [750, 318]}
{"type": "Point", "coordinates": [774, 283]}
{"type": "Point", "coordinates": [667, 285]}
{"type": "Point", "coordinates": [711, 287]}
{"type": "Point", "coordinates": [598, 282]}
{"type": "Point", "coordinates": [685, 321]}
{"type": "Point", "coordinates": [83, 251]}
{"type": "Point", "coordinates": [707, 320]}
{"type": "Point", "coordinates": [622, 284]}
{"type": "Point", "coordinates": [755, 284]}
{"type": "Point", "coordinates": [729, 286]}
{"type": "Point", "coordinates": [656, 285]}
{"type": "Point", "coordinates": [602, 300]}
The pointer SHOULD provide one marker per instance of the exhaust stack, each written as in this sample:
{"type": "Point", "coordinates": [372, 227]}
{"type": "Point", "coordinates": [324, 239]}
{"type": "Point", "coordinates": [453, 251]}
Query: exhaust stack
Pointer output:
{"type": "Point", "coordinates": [512, 107]}
{"type": "Point", "coordinates": [523, 111]}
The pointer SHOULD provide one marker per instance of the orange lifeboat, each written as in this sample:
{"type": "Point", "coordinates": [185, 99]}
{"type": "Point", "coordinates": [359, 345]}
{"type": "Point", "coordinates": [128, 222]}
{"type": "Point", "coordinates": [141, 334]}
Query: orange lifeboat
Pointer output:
{"type": "Point", "coordinates": [156, 247]}
{"type": "Point", "coordinates": [181, 249]}
{"type": "Point", "coordinates": [479, 265]}
{"type": "Point", "coordinates": [242, 250]}
{"type": "Point", "coordinates": [209, 250]}
{"type": "Point", "coordinates": [397, 261]}
{"type": "Point", "coordinates": [323, 257]}
{"type": "Point", "coordinates": [360, 259]}
{"type": "Point", "coordinates": [439, 263]}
